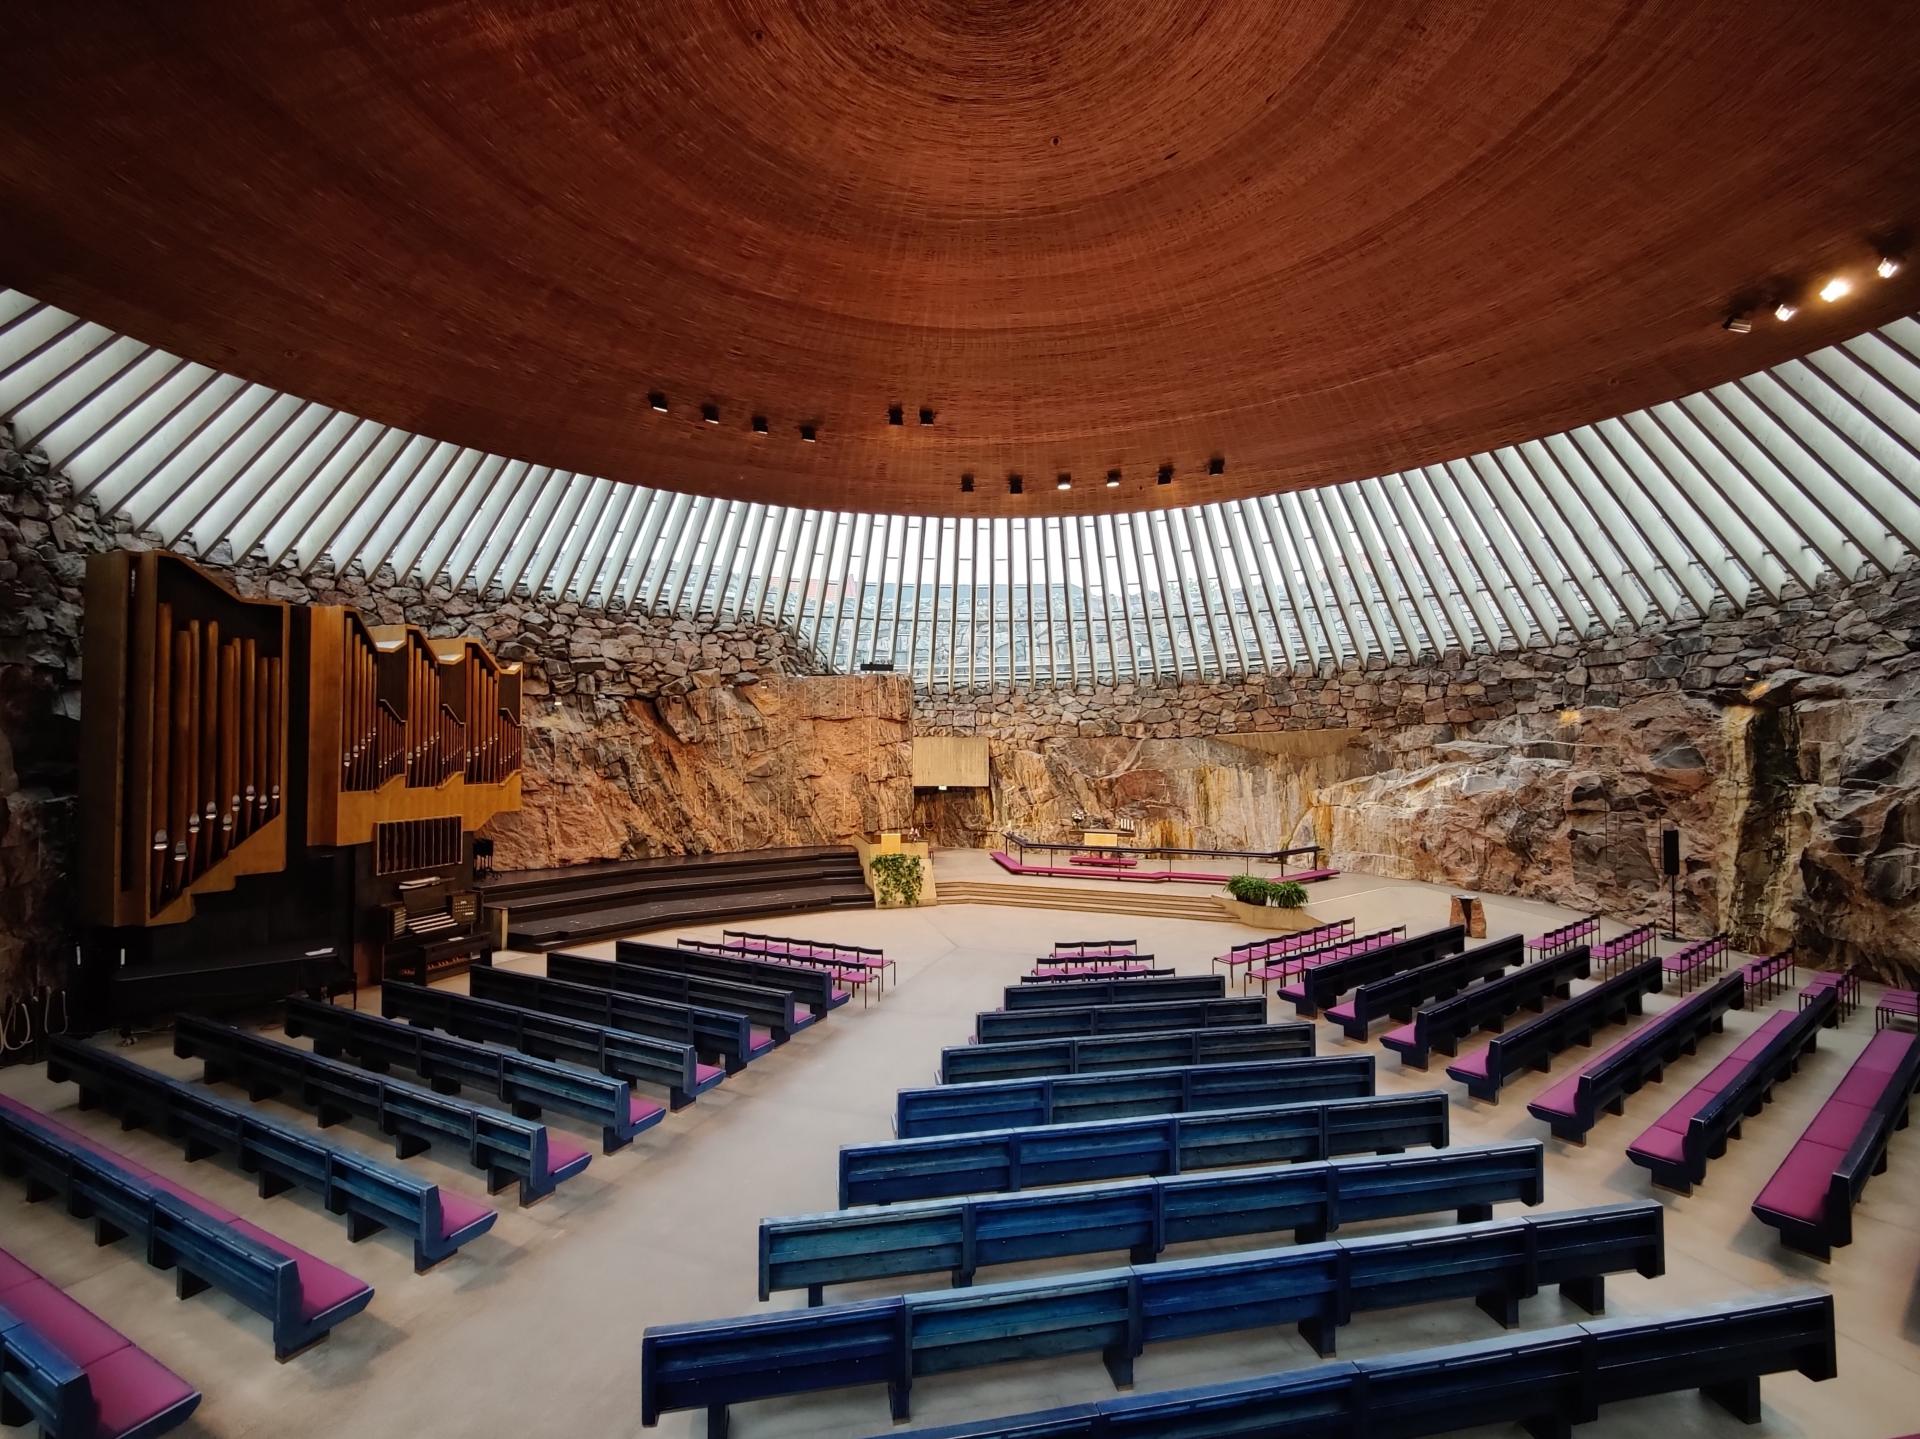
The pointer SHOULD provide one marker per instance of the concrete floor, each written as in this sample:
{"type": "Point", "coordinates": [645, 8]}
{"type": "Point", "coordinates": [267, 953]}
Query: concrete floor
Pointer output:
{"type": "Point", "coordinates": [535, 1328]}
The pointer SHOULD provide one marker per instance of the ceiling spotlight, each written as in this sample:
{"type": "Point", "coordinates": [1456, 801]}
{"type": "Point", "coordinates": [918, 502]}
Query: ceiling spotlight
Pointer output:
{"type": "Point", "coordinates": [1063, 481]}
{"type": "Point", "coordinates": [896, 415]}
{"type": "Point", "coordinates": [810, 433]}
{"type": "Point", "coordinates": [710, 413]}
{"type": "Point", "coordinates": [1165, 476]}
{"type": "Point", "coordinates": [1785, 310]}
{"type": "Point", "coordinates": [1836, 288]}
{"type": "Point", "coordinates": [1015, 484]}
{"type": "Point", "coordinates": [1217, 465]}
{"type": "Point", "coordinates": [1113, 479]}
{"type": "Point", "coordinates": [658, 401]}
{"type": "Point", "coordinates": [1888, 267]}
{"type": "Point", "coordinates": [759, 424]}
{"type": "Point", "coordinates": [1737, 324]}
{"type": "Point", "coordinates": [966, 484]}
{"type": "Point", "coordinates": [926, 414]}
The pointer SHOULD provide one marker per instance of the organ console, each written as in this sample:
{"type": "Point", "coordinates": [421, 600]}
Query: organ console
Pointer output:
{"type": "Point", "coordinates": [262, 782]}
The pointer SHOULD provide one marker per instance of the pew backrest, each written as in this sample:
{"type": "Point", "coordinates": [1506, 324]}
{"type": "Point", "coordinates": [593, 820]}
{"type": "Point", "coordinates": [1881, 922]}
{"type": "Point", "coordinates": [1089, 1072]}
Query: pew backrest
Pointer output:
{"type": "Point", "coordinates": [1080, 994]}
{"type": "Point", "coordinates": [774, 1010]}
{"type": "Point", "coordinates": [723, 1033]}
{"type": "Point", "coordinates": [1006, 1026]}
{"type": "Point", "coordinates": [816, 989]}
{"type": "Point", "coordinates": [970, 1063]}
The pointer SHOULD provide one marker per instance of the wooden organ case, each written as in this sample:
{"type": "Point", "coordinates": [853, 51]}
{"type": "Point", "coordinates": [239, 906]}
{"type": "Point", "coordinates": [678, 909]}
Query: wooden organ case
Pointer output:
{"type": "Point", "coordinates": [275, 798]}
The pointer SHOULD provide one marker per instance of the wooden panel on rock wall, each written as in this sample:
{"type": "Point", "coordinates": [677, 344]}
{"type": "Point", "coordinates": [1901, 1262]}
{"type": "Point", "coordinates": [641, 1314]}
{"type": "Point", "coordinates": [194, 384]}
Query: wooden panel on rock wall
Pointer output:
{"type": "Point", "coordinates": [950, 762]}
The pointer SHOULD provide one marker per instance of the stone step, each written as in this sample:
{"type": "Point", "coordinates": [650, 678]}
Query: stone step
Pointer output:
{"type": "Point", "coordinates": [1108, 899]}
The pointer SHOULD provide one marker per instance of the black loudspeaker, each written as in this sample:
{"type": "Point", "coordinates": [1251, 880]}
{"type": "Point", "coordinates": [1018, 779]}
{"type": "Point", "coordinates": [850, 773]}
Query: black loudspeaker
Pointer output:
{"type": "Point", "coordinates": [1670, 852]}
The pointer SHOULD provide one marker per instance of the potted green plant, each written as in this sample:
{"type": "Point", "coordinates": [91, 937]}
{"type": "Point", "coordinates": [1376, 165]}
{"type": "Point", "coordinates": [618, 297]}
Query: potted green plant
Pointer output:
{"type": "Point", "coordinates": [1266, 903]}
{"type": "Point", "coordinates": [896, 880]}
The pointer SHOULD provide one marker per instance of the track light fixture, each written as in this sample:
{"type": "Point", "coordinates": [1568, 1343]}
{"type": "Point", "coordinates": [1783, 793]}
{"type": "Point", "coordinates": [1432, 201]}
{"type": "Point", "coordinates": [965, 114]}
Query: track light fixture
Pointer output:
{"type": "Point", "coordinates": [1888, 267]}
{"type": "Point", "coordinates": [658, 401]}
{"type": "Point", "coordinates": [1785, 310]}
{"type": "Point", "coordinates": [1063, 481]}
{"type": "Point", "coordinates": [1165, 476]}
{"type": "Point", "coordinates": [896, 415]}
{"type": "Point", "coordinates": [966, 484]}
{"type": "Point", "coordinates": [1016, 485]}
{"type": "Point", "coordinates": [710, 413]}
{"type": "Point", "coordinates": [1113, 479]}
{"type": "Point", "coordinates": [759, 424]}
{"type": "Point", "coordinates": [1838, 288]}
{"type": "Point", "coordinates": [1217, 465]}
{"type": "Point", "coordinates": [926, 414]}
{"type": "Point", "coordinates": [810, 433]}
{"type": "Point", "coordinates": [1737, 323]}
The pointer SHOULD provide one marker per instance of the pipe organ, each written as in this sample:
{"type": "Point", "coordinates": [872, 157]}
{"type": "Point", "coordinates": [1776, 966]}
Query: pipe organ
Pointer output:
{"type": "Point", "coordinates": [240, 760]}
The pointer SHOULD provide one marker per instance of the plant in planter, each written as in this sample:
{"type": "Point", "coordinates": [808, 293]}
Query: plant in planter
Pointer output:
{"type": "Point", "coordinates": [1248, 888]}
{"type": "Point", "coordinates": [1286, 894]}
{"type": "Point", "coordinates": [896, 879]}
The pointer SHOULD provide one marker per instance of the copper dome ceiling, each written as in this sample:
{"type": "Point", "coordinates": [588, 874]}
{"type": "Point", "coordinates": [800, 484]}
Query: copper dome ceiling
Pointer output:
{"type": "Point", "coordinates": [1320, 240]}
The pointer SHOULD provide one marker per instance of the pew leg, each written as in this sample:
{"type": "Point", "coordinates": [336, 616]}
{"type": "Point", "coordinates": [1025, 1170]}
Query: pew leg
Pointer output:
{"type": "Point", "coordinates": [1548, 1426]}
{"type": "Point", "coordinates": [523, 1110]}
{"type": "Point", "coordinates": [1319, 1333]}
{"type": "Point", "coordinates": [1589, 1293]}
{"type": "Point", "coordinates": [195, 1150]}
{"type": "Point", "coordinates": [718, 1426]}
{"type": "Point", "coordinates": [105, 1233]}
{"type": "Point", "coordinates": [14, 1413]}
{"type": "Point", "coordinates": [612, 1141]}
{"type": "Point", "coordinates": [1473, 1214]}
{"type": "Point", "coordinates": [1502, 1306]}
{"type": "Point", "coordinates": [359, 1227]}
{"type": "Point", "coordinates": [405, 1146]}
{"type": "Point", "coordinates": [677, 1100]}
{"type": "Point", "coordinates": [899, 1402]}
{"type": "Point", "coordinates": [270, 1184]}
{"type": "Point", "coordinates": [37, 1192]}
{"type": "Point", "coordinates": [186, 1285]}
{"type": "Point", "coordinates": [1141, 1254]}
{"type": "Point", "coordinates": [817, 1293]}
{"type": "Point", "coordinates": [1310, 1234]}
{"type": "Point", "coordinates": [1739, 1397]}
{"type": "Point", "coordinates": [440, 1084]}
{"type": "Point", "coordinates": [1119, 1362]}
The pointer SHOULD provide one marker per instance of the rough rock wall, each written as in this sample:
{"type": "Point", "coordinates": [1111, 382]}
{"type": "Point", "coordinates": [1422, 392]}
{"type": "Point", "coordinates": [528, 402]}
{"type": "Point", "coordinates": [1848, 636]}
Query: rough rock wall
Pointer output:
{"type": "Point", "coordinates": [1780, 742]}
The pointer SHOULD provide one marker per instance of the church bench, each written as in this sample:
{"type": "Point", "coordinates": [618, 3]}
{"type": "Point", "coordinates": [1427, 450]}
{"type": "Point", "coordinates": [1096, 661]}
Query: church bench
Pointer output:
{"type": "Point", "coordinates": [1702, 959]}
{"type": "Point", "coordinates": [1533, 1045]}
{"type": "Point", "coordinates": [635, 1058]}
{"type": "Point", "coordinates": [1080, 994]}
{"type": "Point", "coordinates": [813, 990]}
{"type": "Point", "coordinates": [718, 1034]}
{"type": "Point", "coordinates": [1895, 1005]}
{"type": "Point", "coordinates": [851, 972]}
{"type": "Point", "coordinates": [1844, 984]}
{"type": "Point", "coordinates": [1073, 971]}
{"type": "Point", "coordinates": [1142, 1216]}
{"type": "Point", "coordinates": [371, 1195]}
{"type": "Point", "coordinates": [1000, 1161]}
{"type": "Point", "coordinates": [1443, 1024]}
{"type": "Point", "coordinates": [1767, 976]}
{"type": "Point", "coordinates": [1397, 995]}
{"type": "Point", "coordinates": [1318, 985]}
{"type": "Point", "coordinates": [775, 1011]}
{"type": "Point", "coordinates": [525, 1084]}
{"type": "Point", "coordinates": [970, 1063]}
{"type": "Point", "coordinates": [1678, 1145]}
{"type": "Point", "coordinates": [1092, 948]}
{"type": "Point", "coordinates": [76, 1376]}
{"type": "Point", "coordinates": [784, 949]}
{"type": "Point", "coordinates": [1811, 1196]}
{"type": "Point", "coordinates": [501, 1146]}
{"type": "Point", "coordinates": [1186, 1089]}
{"type": "Point", "coordinates": [1294, 962]}
{"type": "Point", "coordinates": [1118, 1312]}
{"type": "Point", "coordinates": [1575, 1104]}
{"type": "Point", "coordinates": [1546, 1381]}
{"type": "Point", "coordinates": [1010, 1026]}
{"type": "Point", "coordinates": [299, 1294]}
{"type": "Point", "coordinates": [1105, 861]}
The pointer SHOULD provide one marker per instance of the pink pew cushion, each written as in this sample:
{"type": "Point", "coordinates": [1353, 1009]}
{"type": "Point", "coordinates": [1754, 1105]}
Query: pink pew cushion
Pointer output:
{"type": "Point", "coordinates": [1342, 1011]}
{"type": "Point", "coordinates": [565, 1155]}
{"type": "Point", "coordinates": [13, 1272]}
{"type": "Point", "coordinates": [639, 1109]}
{"type": "Point", "coordinates": [322, 1286]}
{"type": "Point", "coordinates": [1406, 1034]}
{"type": "Point", "coordinates": [1293, 992]}
{"type": "Point", "coordinates": [703, 1072]}
{"type": "Point", "coordinates": [457, 1212]}
{"type": "Point", "coordinates": [1475, 1063]}
{"type": "Point", "coordinates": [131, 1387]}
{"type": "Point", "coordinates": [1660, 1142]}
{"type": "Point", "coordinates": [1560, 1097]}
{"type": "Point", "coordinates": [1799, 1186]}
{"type": "Point", "coordinates": [75, 1331]}
{"type": "Point", "coordinates": [1885, 1051]}
{"type": "Point", "coordinates": [759, 1041]}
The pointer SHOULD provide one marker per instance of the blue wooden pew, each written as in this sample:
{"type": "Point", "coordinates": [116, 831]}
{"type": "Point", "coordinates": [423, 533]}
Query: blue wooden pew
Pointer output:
{"type": "Point", "coordinates": [775, 1011]}
{"type": "Point", "coordinates": [1443, 1024]}
{"type": "Point", "coordinates": [299, 1294]}
{"type": "Point", "coordinates": [1008, 1026]}
{"type": "Point", "coordinates": [372, 1196]}
{"type": "Point", "coordinates": [1000, 1161]}
{"type": "Point", "coordinates": [1397, 995]}
{"type": "Point", "coordinates": [66, 1369]}
{"type": "Point", "coordinates": [1317, 986]}
{"type": "Point", "coordinates": [1068, 1099]}
{"type": "Point", "coordinates": [971, 1063]}
{"type": "Point", "coordinates": [1119, 1312]}
{"type": "Point", "coordinates": [1574, 1105]}
{"type": "Point", "coordinates": [526, 1085]}
{"type": "Point", "coordinates": [636, 1058]}
{"type": "Point", "coordinates": [815, 989]}
{"type": "Point", "coordinates": [1080, 993]}
{"type": "Point", "coordinates": [1533, 1045]}
{"type": "Point", "coordinates": [503, 1147]}
{"type": "Point", "coordinates": [718, 1035]}
{"type": "Point", "coordinates": [1142, 1216]}
{"type": "Point", "coordinates": [1545, 1381]}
